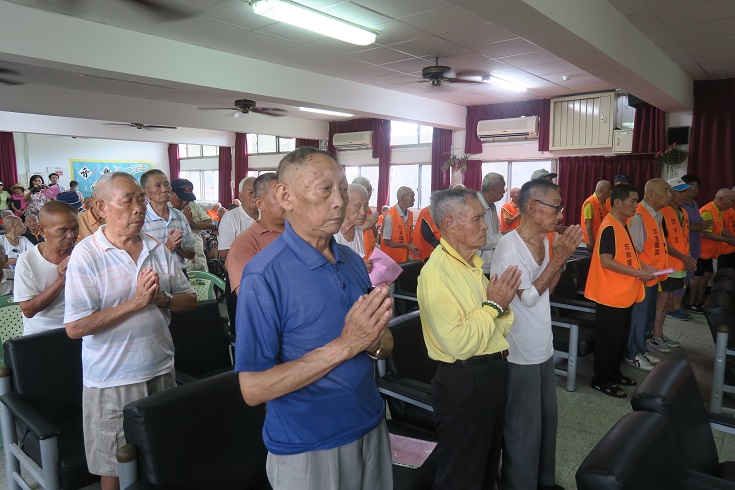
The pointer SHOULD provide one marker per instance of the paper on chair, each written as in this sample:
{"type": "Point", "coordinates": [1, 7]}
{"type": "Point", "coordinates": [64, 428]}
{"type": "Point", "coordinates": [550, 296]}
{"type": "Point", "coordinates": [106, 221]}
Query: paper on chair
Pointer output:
{"type": "Point", "coordinates": [385, 269]}
{"type": "Point", "coordinates": [407, 451]}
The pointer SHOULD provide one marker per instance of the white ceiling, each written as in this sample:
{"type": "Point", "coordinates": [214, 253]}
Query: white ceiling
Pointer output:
{"type": "Point", "coordinates": [599, 44]}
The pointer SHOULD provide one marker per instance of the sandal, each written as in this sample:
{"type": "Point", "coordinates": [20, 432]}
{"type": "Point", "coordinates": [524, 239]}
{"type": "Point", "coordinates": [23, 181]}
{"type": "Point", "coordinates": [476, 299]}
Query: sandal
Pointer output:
{"type": "Point", "coordinates": [626, 381]}
{"type": "Point", "coordinates": [610, 389]}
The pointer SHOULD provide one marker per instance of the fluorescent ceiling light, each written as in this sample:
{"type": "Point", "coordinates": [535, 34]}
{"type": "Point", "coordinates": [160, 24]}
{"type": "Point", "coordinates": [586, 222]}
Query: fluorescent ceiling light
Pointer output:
{"type": "Point", "coordinates": [324, 111]}
{"type": "Point", "coordinates": [504, 83]}
{"type": "Point", "coordinates": [313, 20]}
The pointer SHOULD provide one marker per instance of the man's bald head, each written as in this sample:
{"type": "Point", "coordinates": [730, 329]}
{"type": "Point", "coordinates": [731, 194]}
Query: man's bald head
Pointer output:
{"type": "Point", "coordinates": [53, 209]}
{"type": "Point", "coordinates": [105, 186]}
{"type": "Point", "coordinates": [603, 188]}
{"type": "Point", "coordinates": [291, 165]}
{"type": "Point", "coordinates": [723, 198]}
{"type": "Point", "coordinates": [403, 192]}
{"type": "Point", "coordinates": [655, 185]}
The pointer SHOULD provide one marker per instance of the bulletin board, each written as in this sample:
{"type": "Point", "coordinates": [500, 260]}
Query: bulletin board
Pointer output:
{"type": "Point", "coordinates": [88, 172]}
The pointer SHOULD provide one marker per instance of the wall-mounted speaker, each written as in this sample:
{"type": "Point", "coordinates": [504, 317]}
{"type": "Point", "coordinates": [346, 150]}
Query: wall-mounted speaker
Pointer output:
{"type": "Point", "coordinates": [634, 101]}
{"type": "Point", "coordinates": [678, 135]}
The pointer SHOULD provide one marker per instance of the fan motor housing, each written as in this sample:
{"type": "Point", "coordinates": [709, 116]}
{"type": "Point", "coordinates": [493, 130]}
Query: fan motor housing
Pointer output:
{"type": "Point", "coordinates": [435, 72]}
{"type": "Point", "coordinates": [245, 104]}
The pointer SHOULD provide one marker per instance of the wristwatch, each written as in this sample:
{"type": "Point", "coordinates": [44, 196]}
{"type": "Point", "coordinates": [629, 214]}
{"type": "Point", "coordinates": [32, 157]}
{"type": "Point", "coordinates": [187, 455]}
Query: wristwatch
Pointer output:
{"type": "Point", "coordinates": [169, 297]}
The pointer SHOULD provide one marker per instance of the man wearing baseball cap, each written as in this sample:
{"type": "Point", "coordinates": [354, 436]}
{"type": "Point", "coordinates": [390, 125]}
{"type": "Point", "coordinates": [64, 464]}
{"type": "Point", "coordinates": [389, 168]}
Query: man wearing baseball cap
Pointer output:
{"type": "Point", "coordinates": [542, 173]}
{"type": "Point", "coordinates": [182, 198]}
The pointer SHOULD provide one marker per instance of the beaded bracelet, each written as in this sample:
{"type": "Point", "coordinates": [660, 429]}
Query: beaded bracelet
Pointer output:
{"type": "Point", "coordinates": [495, 306]}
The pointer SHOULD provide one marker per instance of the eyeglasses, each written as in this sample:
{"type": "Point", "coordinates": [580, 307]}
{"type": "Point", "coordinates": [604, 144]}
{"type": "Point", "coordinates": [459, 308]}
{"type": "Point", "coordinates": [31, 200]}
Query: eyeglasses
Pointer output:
{"type": "Point", "coordinates": [557, 209]}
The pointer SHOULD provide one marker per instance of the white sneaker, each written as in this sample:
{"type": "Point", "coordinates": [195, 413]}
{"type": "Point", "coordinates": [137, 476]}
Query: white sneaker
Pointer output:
{"type": "Point", "coordinates": [640, 362]}
{"type": "Point", "coordinates": [651, 358]}
{"type": "Point", "coordinates": [671, 342]}
{"type": "Point", "coordinates": [659, 345]}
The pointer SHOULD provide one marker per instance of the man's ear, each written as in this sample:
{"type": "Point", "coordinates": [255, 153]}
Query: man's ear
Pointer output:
{"type": "Point", "coordinates": [100, 206]}
{"type": "Point", "coordinates": [285, 197]}
{"type": "Point", "coordinates": [41, 230]}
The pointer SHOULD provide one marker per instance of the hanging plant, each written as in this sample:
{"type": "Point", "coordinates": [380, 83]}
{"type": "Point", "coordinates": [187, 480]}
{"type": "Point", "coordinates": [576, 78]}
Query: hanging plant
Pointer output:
{"type": "Point", "coordinates": [455, 162]}
{"type": "Point", "coordinates": [671, 156]}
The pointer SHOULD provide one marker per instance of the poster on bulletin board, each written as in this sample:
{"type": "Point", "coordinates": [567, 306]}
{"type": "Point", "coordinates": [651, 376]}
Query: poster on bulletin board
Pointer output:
{"type": "Point", "coordinates": [88, 172]}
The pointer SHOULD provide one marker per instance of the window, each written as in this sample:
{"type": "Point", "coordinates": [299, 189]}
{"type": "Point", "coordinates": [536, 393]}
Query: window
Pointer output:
{"type": "Point", "coordinates": [402, 133]}
{"type": "Point", "coordinates": [515, 173]}
{"type": "Point", "coordinates": [266, 143]}
{"type": "Point", "coordinates": [198, 151]}
{"type": "Point", "coordinates": [205, 182]}
{"type": "Point", "coordinates": [257, 173]}
{"type": "Point", "coordinates": [417, 177]}
{"type": "Point", "coordinates": [370, 172]}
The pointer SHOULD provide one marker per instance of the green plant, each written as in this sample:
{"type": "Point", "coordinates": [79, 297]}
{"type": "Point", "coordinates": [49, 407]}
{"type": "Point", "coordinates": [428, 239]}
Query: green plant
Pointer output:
{"type": "Point", "coordinates": [671, 156]}
{"type": "Point", "coordinates": [456, 162]}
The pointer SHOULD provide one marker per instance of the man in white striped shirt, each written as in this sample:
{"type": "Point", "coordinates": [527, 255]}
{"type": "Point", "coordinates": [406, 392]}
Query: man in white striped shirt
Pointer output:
{"type": "Point", "coordinates": [121, 286]}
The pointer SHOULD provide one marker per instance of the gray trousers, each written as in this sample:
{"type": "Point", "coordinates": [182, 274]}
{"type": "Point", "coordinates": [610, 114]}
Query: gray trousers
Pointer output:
{"type": "Point", "coordinates": [529, 446]}
{"type": "Point", "coordinates": [363, 464]}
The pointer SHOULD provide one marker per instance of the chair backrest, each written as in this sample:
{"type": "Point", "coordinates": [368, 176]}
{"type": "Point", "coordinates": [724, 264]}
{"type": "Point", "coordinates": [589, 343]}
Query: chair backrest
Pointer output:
{"type": "Point", "coordinates": [11, 319]}
{"type": "Point", "coordinates": [410, 358]}
{"type": "Point", "coordinates": [566, 288]}
{"type": "Point", "coordinates": [725, 273]}
{"type": "Point", "coordinates": [199, 340]}
{"type": "Point", "coordinates": [204, 284]}
{"type": "Point", "coordinates": [719, 310]}
{"type": "Point", "coordinates": [199, 435]}
{"type": "Point", "coordinates": [47, 372]}
{"type": "Point", "coordinates": [409, 279]}
{"type": "Point", "coordinates": [671, 390]}
{"type": "Point", "coordinates": [580, 268]}
{"type": "Point", "coordinates": [638, 452]}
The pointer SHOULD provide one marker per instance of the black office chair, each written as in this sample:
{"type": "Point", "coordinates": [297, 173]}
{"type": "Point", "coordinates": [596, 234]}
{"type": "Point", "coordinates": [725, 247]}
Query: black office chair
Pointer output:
{"type": "Point", "coordinates": [41, 411]}
{"type": "Point", "coordinates": [405, 287]}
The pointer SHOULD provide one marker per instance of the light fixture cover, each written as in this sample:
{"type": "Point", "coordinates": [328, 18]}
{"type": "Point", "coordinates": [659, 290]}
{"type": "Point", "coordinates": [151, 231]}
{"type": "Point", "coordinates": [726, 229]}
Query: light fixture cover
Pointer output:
{"type": "Point", "coordinates": [324, 111]}
{"type": "Point", "coordinates": [504, 83]}
{"type": "Point", "coordinates": [306, 18]}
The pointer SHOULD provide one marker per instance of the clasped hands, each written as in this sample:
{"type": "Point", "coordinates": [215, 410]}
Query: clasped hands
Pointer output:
{"type": "Point", "coordinates": [148, 289]}
{"type": "Point", "coordinates": [367, 321]}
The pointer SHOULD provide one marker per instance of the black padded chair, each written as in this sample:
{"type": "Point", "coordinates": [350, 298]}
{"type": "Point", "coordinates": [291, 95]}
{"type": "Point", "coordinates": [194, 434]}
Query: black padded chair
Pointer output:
{"type": "Point", "coordinates": [725, 273]}
{"type": "Point", "coordinates": [41, 388]}
{"type": "Point", "coordinates": [200, 435]}
{"type": "Point", "coordinates": [719, 309]}
{"type": "Point", "coordinates": [405, 287]}
{"type": "Point", "coordinates": [671, 390]}
{"type": "Point", "coordinates": [202, 346]}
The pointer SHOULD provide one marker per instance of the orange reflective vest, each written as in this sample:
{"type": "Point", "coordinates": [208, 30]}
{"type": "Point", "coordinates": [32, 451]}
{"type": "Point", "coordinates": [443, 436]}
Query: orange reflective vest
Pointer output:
{"type": "Point", "coordinates": [369, 240]}
{"type": "Point", "coordinates": [425, 248]}
{"type": "Point", "coordinates": [509, 209]}
{"type": "Point", "coordinates": [711, 248]}
{"type": "Point", "coordinates": [678, 235]}
{"type": "Point", "coordinates": [654, 252]}
{"type": "Point", "coordinates": [599, 213]}
{"type": "Point", "coordinates": [728, 222]}
{"type": "Point", "coordinates": [610, 288]}
{"type": "Point", "coordinates": [400, 233]}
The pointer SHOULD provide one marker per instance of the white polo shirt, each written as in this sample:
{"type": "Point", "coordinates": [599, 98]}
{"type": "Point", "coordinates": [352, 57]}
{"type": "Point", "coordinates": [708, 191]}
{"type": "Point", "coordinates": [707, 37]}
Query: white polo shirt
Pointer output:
{"type": "Point", "coordinates": [232, 224]}
{"type": "Point", "coordinates": [158, 228]}
{"type": "Point", "coordinates": [33, 275]}
{"type": "Point", "coordinates": [100, 276]}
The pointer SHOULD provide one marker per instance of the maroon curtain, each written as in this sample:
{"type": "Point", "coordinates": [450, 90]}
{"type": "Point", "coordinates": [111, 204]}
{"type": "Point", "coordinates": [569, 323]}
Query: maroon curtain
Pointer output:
{"type": "Point", "coordinates": [381, 151]}
{"type": "Point", "coordinates": [712, 147]}
{"type": "Point", "coordinates": [579, 175]}
{"type": "Point", "coordinates": [306, 142]}
{"type": "Point", "coordinates": [174, 164]}
{"type": "Point", "coordinates": [649, 131]}
{"type": "Point", "coordinates": [441, 148]}
{"type": "Point", "coordinates": [473, 175]}
{"type": "Point", "coordinates": [8, 168]}
{"type": "Point", "coordinates": [350, 126]}
{"type": "Point", "coordinates": [241, 160]}
{"type": "Point", "coordinates": [541, 108]}
{"type": "Point", "coordinates": [225, 175]}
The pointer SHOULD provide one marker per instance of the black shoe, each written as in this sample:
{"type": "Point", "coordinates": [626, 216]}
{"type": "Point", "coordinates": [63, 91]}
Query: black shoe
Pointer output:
{"type": "Point", "coordinates": [696, 308]}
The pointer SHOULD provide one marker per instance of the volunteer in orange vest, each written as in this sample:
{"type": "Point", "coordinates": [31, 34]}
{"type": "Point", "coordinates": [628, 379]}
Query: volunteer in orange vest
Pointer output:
{"type": "Point", "coordinates": [727, 250]}
{"type": "Point", "coordinates": [510, 215]}
{"type": "Point", "coordinates": [369, 226]}
{"type": "Point", "coordinates": [680, 257]}
{"type": "Point", "coordinates": [713, 237]}
{"type": "Point", "coordinates": [594, 211]}
{"type": "Point", "coordinates": [397, 238]}
{"type": "Point", "coordinates": [615, 283]}
{"type": "Point", "coordinates": [649, 239]}
{"type": "Point", "coordinates": [427, 237]}
{"type": "Point", "coordinates": [350, 232]}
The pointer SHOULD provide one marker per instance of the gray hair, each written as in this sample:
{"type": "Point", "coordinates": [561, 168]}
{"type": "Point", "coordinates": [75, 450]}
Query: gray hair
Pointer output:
{"type": "Point", "coordinates": [243, 182]}
{"type": "Point", "coordinates": [490, 180]}
{"type": "Point", "coordinates": [10, 212]}
{"type": "Point", "coordinates": [357, 188]}
{"type": "Point", "coordinates": [297, 158]}
{"type": "Point", "coordinates": [534, 189]}
{"type": "Point", "coordinates": [103, 186]}
{"type": "Point", "coordinates": [147, 175]}
{"type": "Point", "coordinates": [262, 186]}
{"type": "Point", "coordinates": [448, 202]}
{"type": "Point", "coordinates": [363, 181]}
{"type": "Point", "coordinates": [404, 191]}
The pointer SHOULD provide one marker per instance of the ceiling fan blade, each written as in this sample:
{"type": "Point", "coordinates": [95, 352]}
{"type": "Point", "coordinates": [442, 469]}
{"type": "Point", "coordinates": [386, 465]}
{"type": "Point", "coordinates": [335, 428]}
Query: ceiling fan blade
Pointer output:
{"type": "Point", "coordinates": [163, 11]}
{"type": "Point", "coordinates": [218, 108]}
{"type": "Point", "coordinates": [7, 81]}
{"type": "Point", "coordinates": [119, 124]}
{"type": "Point", "coordinates": [462, 80]}
{"type": "Point", "coordinates": [155, 126]}
{"type": "Point", "coordinates": [12, 73]}
{"type": "Point", "coordinates": [269, 111]}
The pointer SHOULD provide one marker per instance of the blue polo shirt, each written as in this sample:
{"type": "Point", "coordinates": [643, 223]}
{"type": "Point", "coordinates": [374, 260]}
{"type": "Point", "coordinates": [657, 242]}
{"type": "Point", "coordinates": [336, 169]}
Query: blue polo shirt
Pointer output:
{"type": "Point", "coordinates": [292, 301]}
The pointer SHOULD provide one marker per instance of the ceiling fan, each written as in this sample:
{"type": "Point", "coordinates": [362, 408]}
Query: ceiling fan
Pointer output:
{"type": "Point", "coordinates": [141, 126]}
{"type": "Point", "coordinates": [10, 77]}
{"type": "Point", "coordinates": [161, 9]}
{"type": "Point", "coordinates": [437, 74]}
{"type": "Point", "coordinates": [245, 106]}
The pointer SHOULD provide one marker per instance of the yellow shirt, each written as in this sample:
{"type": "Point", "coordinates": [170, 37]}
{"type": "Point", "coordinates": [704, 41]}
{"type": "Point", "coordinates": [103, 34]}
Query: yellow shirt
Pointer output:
{"type": "Point", "coordinates": [455, 324]}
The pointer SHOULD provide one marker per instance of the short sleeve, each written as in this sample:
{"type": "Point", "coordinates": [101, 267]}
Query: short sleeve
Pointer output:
{"type": "Point", "coordinates": [25, 287]}
{"type": "Point", "coordinates": [81, 292]}
{"type": "Point", "coordinates": [607, 241]}
{"type": "Point", "coordinates": [587, 211]}
{"type": "Point", "coordinates": [257, 326]}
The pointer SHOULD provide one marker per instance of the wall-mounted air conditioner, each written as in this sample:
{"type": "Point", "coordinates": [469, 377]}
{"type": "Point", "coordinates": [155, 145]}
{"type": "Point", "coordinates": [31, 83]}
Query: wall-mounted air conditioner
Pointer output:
{"type": "Point", "coordinates": [516, 127]}
{"type": "Point", "coordinates": [353, 141]}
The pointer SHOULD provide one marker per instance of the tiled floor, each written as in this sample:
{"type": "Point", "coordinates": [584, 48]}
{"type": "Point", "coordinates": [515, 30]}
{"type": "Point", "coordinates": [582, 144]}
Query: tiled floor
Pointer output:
{"type": "Point", "coordinates": [586, 415]}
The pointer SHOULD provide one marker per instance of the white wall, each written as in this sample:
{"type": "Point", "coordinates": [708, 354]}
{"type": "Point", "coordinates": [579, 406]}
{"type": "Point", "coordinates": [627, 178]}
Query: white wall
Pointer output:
{"type": "Point", "coordinates": [36, 152]}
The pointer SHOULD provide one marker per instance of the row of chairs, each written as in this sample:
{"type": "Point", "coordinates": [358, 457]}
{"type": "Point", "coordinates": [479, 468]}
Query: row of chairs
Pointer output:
{"type": "Point", "coordinates": [719, 309]}
{"type": "Point", "coordinates": [667, 442]}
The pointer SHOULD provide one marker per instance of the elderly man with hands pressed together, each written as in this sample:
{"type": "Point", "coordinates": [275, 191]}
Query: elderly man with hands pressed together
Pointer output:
{"type": "Point", "coordinates": [529, 447]}
{"type": "Point", "coordinates": [121, 287]}
{"type": "Point", "coordinates": [465, 321]}
{"type": "Point", "coordinates": [350, 232]}
{"type": "Point", "coordinates": [306, 336]}
{"type": "Point", "coordinates": [41, 272]}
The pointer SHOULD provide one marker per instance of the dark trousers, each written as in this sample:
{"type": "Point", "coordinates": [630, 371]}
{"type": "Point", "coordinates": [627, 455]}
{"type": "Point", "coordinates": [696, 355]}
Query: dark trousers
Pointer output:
{"type": "Point", "coordinates": [611, 336]}
{"type": "Point", "coordinates": [469, 411]}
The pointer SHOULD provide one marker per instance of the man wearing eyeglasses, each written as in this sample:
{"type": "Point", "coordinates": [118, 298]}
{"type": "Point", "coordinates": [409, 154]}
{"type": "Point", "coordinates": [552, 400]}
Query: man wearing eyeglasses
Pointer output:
{"type": "Point", "coordinates": [529, 448]}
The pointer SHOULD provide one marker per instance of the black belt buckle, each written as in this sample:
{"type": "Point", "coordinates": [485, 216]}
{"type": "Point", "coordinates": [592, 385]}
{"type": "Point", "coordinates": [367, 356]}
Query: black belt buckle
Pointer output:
{"type": "Point", "coordinates": [496, 356]}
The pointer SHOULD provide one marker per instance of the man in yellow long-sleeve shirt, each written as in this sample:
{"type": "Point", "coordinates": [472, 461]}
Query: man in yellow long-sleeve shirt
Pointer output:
{"type": "Point", "coordinates": [465, 322]}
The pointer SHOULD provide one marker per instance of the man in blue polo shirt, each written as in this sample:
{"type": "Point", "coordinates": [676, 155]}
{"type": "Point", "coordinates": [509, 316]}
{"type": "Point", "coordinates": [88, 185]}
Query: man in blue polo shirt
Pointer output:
{"type": "Point", "coordinates": [307, 334]}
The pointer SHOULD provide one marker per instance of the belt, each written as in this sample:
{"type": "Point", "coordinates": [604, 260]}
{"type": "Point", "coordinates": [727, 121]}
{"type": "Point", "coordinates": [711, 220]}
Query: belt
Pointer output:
{"type": "Point", "coordinates": [497, 356]}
